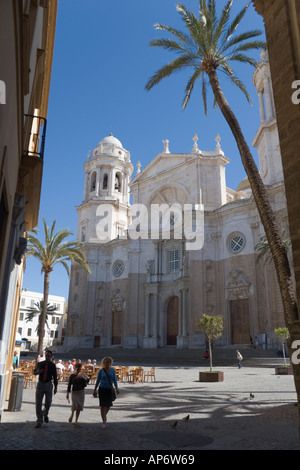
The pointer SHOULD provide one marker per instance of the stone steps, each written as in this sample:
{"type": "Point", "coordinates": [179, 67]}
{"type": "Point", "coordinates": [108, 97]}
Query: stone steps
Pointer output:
{"type": "Point", "coordinates": [175, 357]}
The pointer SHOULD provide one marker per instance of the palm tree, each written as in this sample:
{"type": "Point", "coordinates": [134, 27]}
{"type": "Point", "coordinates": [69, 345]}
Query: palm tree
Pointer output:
{"type": "Point", "coordinates": [263, 247]}
{"type": "Point", "coordinates": [56, 250]}
{"type": "Point", "coordinates": [33, 312]}
{"type": "Point", "coordinates": [207, 47]}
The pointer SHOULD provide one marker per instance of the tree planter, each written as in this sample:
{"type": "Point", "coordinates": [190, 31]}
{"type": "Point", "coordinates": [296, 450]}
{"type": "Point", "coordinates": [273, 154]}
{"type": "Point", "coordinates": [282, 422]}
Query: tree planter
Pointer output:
{"type": "Point", "coordinates": [215, 376]}
{"type": "Point", "coordinates": [283, 370]}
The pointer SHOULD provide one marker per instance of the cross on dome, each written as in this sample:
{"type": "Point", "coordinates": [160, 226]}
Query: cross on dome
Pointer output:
{"type": "Point", "coordinates": [218, 140]}
{"type": "Point", "coordinates": [195, 147]}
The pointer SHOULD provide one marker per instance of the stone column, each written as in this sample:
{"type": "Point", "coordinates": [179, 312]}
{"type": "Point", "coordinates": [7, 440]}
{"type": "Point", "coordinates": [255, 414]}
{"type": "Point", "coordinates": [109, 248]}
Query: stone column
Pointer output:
{"type": "Point", "coordinates": [147, 316]}
{"type": "Point", "coordinates": [112, 182]}
{"type": "Point", "coordinates": [261, 106]}
{"type": "Point", "coordinates": [155, 314]}
{"type": "Point", "coordinates": [180, 313]}
{"type": "Point", "coordinates": [97, 188]}
{"type": "Point", "coordinates": [184, 292]}
{"type": "Point", "coordinates": [125, 188]}
{"type": "Point", "coordinates": [85, 191]}
{"type": "Point", "coordinates": [268, 98]}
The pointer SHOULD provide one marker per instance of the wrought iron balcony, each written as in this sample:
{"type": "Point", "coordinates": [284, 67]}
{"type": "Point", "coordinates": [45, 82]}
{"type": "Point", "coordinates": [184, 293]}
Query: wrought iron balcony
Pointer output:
{"type": "Point", "coordinates": [34, 136]}
{"type": "Point", "coordinates": [31, 168]}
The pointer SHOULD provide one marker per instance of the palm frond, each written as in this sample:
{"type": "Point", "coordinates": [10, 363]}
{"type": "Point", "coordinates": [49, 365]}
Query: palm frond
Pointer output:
{"type": "Point", "coordinates": [247, 46]}
{"type": "Point", "coordinates": [168, 44]}
{"type": "Point", "coordinates": [66, 266]}
{"type": "Point", "coordinates": [56, 248]}
{"type": "Point", "coordinates": [32, 312]}
{"type": "Point", "coordinates": [204, 93]}
{"type": "Point", "coordinates": [243, 58]}
{"type": "Point", "coordinates": [226, 68]}
{"type": "Point", "coordinates": [209, 43]}
{"type": "Point", "coordinates": [235, 23]}
{"type": "Point", "coordinates": [190, 86]}
{"type": "Point", "coordinates": [178, 34]}
{"type": "Point", "coordinates": [195, 27]}
{"type": "Point", "coordinates": [223, 22]}
{"type": "Point", "coordinates": [263, 247]}
{"type": "Point", "coordinates": [169, 69]}
{"type": "Point", "coordinates": [240, 38]}
{"type": "Point", "coordinates": [242, 87]}
{"type": "Point", "coordinates": [207, 15]}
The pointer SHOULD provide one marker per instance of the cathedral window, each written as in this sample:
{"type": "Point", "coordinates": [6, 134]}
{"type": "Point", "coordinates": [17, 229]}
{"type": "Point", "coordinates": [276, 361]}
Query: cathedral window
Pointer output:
{"type": "Point", "coordinates": [236, 242]}
{"type": "Point", "coordinates": [105, 178]}
{"type": "Point", "coordinates": [173, 261]}
{"type": "Point", "coordinates": [118, 268]}
{"type": "Point", "coordinates": [173, 219]}
{"type": "Point", "coordinates": [93, 181]}
{"type": "Point", "coordinates": [118, 182]}
{"type": "Point", "coordinates": [83, 233]}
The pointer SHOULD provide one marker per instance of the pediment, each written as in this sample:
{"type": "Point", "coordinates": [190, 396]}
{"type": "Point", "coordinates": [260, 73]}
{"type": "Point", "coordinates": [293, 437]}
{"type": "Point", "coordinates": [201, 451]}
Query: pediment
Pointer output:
{"type": "Point", "coordinates": [170, 194]}
{"type": "Point", "coordinates": [161, 164]}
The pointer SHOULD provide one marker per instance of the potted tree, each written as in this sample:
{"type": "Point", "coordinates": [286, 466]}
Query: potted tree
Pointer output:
{"type": "Point", "coordinates": [286, 369]}
{"type": "Point", "coordinates": [213, 328]}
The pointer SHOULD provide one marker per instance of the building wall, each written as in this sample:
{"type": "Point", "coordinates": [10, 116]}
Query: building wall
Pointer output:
{"type": "Point", "coordinates": [27, 31]}
{"type": "Point", "coordinates": [131, 310]}
{"type": "Point", "coordinates": [28, 330]}
{"type": "Point", "coordinates": [282, 24]}
{"type": "Point", "coordinates": [151, 290]}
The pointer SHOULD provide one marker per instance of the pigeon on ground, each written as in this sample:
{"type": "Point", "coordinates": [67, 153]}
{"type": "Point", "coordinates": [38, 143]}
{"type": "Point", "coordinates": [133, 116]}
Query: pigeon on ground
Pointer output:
{"type": "Point", "coordinates": [186, 418]}
{"type": "Point", "coordinates": [174, 425]}
{"type": "Point", "coordinates": [251, 395]}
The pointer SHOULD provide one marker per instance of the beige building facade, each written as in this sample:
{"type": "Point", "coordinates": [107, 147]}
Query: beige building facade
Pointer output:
{"type": "Point", "coordinates": [173, 242]}
{"type": "Point", "coordinates": [27, 30]}
{"type": "Point", "coordinates": [282, 25]}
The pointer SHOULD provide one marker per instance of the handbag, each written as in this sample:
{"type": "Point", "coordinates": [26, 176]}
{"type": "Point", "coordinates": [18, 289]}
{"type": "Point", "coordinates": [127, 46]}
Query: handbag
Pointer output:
{"type": "Point", "coordinates": [112, 388]}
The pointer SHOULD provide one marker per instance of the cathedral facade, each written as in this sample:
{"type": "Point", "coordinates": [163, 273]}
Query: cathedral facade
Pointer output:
{"type": "Point", "coordinates": [152, 278]}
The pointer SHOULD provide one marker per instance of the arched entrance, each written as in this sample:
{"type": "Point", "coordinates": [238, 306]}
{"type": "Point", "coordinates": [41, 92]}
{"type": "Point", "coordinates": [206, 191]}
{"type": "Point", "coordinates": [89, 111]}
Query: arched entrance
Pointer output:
{"type": "Point", "coordinates": [116, 333]}
{"type": "Point", "coordinates": [172, 321]}
{"type": "Point", "coordinates": [239, 320]}
{"type": "Point", "coordinates": [238, 296]}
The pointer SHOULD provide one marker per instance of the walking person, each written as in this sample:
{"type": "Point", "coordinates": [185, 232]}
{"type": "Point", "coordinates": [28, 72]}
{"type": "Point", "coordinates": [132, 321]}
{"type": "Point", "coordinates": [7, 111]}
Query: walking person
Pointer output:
{"type": "Point", "coordinates": [46, 371]}
{"type": "Point", "coordinates": [77, 382]}
{"type": "Point", "coordinates": [15, 360]}
{"type": "Point", "coordinates": [60, 369]}
{"type": "Point", "coordinates": [239, 358]}
{"type": "Point", "coordinates": [106, 378]}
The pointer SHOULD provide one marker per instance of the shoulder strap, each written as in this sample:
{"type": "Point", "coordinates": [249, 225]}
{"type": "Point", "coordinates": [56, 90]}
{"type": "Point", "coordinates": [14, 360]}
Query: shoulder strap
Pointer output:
{"type": "Point", "coordinates": [107, 376]}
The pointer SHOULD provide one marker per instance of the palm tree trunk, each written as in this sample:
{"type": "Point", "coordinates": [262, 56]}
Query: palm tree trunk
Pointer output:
{"type": "Point", "coordinates": [268, 220]}
{"type": "Point", "coordinates": [43, 315]}
{"type": "Point", "coordinates": [210, 357]}
{"type": "Point", "coordinates": [263, 205]}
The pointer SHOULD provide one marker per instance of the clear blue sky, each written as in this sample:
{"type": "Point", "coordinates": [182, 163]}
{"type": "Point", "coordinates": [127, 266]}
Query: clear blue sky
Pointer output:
{"type": "Point", "coordinates": [102, 61]}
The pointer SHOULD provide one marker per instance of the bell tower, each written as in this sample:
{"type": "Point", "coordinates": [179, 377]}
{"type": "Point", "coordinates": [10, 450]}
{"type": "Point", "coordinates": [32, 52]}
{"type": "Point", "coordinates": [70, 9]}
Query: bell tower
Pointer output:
{"type": "Point", "coordinates": [266, 139]}
{"type": "Point", "coordinates": [107, 175]}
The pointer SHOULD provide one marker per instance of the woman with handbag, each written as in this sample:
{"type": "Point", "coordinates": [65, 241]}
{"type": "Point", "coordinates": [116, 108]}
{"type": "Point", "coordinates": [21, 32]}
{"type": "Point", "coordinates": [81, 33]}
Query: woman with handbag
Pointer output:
{"type": "Point", "coordinates": [108, 387]}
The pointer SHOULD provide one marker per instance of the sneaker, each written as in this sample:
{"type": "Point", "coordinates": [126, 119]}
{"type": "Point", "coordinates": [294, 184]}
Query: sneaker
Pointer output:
{"type": "Point", "coordinates": [38, 425]}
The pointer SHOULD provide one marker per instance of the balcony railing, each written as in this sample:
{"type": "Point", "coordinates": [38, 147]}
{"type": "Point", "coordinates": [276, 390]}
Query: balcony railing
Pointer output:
{"type": "Point", "coordinates": [34, 136]}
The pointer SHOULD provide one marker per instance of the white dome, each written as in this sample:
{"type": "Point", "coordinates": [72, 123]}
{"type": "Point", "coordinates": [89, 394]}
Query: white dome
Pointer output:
{"type": "Point", "coordinates": [111, 140]}
{"type": "Point", "coordinates": [110, 146]}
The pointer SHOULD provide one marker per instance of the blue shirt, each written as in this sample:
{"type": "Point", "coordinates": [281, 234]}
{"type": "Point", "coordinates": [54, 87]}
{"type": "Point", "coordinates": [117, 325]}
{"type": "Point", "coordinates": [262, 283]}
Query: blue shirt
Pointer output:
{"type": "Point", "coordinates": [102, 378]}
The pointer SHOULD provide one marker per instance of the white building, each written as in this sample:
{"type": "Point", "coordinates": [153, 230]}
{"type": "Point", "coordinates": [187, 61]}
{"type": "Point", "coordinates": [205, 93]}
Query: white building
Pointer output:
{"type": "Point", "coordinates": [28, 329]}
{"type": "Point", "coordinates": [147, 290]}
